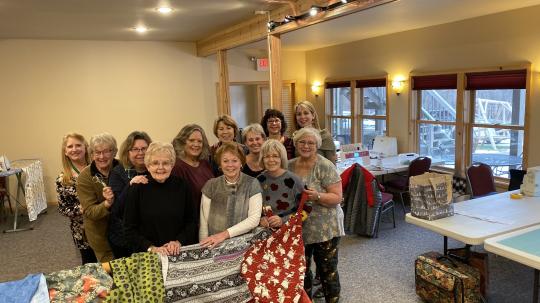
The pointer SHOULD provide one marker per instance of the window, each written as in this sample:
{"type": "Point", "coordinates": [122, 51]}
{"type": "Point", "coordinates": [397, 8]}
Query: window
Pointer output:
{"type": "Point", "coordinates": [436, 117]}
{"type": "Point", "coordinates": [357, 110]}
{"type": "Point", "coordinates": [497, 119]}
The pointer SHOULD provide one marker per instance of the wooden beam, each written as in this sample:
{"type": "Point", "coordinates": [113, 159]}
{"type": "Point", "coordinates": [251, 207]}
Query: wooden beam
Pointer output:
{"type": "Point", "coordinates": [274, 51]}
{"type": "Point", "coordinates": [224, 106]}
{"type": "Point", "coordinates": [255, 29]}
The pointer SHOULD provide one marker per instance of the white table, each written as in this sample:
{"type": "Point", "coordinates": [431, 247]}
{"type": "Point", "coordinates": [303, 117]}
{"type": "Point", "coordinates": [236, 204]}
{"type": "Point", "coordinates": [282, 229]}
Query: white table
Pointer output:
{"type": "Point", "coordinates": [476, 220]}
{"type": "Point", "coordinates": [389, 165]}
{"type": "Point", "coordinates": [522, 246]}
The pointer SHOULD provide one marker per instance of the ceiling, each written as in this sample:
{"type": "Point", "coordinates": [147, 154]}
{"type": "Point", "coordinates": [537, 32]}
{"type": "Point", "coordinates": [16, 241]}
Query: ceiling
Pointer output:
{"type": "Point", "coordinates": [196, 19]}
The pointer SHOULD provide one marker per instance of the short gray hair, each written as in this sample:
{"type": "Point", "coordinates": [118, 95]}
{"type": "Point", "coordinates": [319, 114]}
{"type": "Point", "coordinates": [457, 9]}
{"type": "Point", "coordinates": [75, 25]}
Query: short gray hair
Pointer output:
{"type": "Point", "coordinates": [159, 147]}
{"type": "Point", "coordinates": [103, 139]}
{"type": "Point", "coordinates": [274, 145]}
{"type": "Point", "coordinates": [307, 131]}
{"type": "Point", "coordinates": [255, 128]}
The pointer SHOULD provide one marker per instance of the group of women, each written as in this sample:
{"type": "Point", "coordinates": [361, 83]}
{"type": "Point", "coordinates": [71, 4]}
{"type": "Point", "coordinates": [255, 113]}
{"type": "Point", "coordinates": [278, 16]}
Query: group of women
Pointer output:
{"type": "Point", "coordinates": [158, 196]}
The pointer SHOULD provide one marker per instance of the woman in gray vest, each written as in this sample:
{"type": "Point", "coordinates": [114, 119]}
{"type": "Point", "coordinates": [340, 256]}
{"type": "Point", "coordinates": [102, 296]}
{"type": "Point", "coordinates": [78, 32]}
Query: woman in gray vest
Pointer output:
{"type": "Point", "coordinates": [231, 204]}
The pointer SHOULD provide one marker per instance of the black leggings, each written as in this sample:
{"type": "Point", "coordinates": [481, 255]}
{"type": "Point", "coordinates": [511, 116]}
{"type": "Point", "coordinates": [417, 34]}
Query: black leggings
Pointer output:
{"type": "Point", "coordinates": [325, 255]}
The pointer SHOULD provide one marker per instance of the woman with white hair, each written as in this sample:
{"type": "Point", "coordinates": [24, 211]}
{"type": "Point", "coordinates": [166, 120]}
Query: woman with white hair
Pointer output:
{"type": "Point", "coordinates": [281, 188]}
{"type": "Point", "coordinates": [253, 136]}
{"type": "Point", "coordinates": [159, 215]}
{"type": "Point", "coordinates": [321, 230]}
{"type": "Point", "coordinates": [96, 196]}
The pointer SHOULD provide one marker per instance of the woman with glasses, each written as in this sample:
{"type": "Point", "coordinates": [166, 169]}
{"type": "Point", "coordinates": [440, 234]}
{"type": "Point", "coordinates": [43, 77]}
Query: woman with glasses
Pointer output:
{"type": "Point", "coordinates": [281, 189]}
{"type": "Point", "coordinates": [321, 230]}
{"type": "Point", "coordinates": [192, 150]}
{"type": "Point", "coordinates": [96, 196]}
{"type": "Point", "coordinates": [231, 204]}
{"type": "Point", "coordinates": [253, 136]}
{"type": "Point", "coordinates": [74, 159]}
{"type": "Point", "coordinates": [306, 116]}
{"type": "Point", "coordinates": [159, 215]}
{"type": "Point", "coordinates": [275, 126]}
{"type": "Point", "coordinates": [132, 168]}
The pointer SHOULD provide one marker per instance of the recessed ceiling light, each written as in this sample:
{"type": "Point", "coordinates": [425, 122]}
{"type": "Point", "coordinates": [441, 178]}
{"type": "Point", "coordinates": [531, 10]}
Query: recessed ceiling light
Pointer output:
{"type": "Point", "coordinates": [164, 10]}
{"type": "Point", "coordinates": [141, 29]}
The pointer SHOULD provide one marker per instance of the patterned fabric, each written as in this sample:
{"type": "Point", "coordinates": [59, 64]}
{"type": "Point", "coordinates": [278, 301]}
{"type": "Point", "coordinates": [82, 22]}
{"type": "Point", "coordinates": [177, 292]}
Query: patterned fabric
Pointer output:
{"type": "Point", "coordinates": [459, 186]}
{"type": "Point", "coordinates": [322, 223]}
{"type": "Point", "coordinates": [443, 280]}
{"type": "Point", "coordinates": [282, 193]}
{"type": "Point", "coordinates": [34, 190]}
{"type": "Point", "coordinates": [86, 283]}
{"type": "Point", "coordinates": [69, 206]}
{"type": "Point", "coordinates": [274, 268]}
{"type": "Point", "coordinates": [200, 274]}
{"type": "Point", "coordinates": [137, 279]}
{"type": "Point", "coordinates": [325, 256]}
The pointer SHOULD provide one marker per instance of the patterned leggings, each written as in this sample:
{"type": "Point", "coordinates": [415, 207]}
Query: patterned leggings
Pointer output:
{"type": "Point", "coordinates": [325, 255]}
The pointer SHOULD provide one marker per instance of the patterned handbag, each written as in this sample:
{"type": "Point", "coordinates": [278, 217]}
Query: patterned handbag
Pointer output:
{"type": "Point", "coordinates": [274, 268]}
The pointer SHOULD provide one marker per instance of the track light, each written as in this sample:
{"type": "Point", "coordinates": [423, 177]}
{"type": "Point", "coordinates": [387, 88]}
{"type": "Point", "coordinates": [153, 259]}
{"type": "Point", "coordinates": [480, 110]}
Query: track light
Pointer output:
{"type": "Point", "coordinates": [314, 10]}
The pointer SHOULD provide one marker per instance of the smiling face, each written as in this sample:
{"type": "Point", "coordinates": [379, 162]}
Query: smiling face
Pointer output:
{"type": "Point", "coordinates": [254, 142]}
{"type": "Point", "coordinates": [160, 166]}
{"type": "Point", "coordinates": [304, 117]}
{"type": "Point", "coordinates": [272, 162]}
{"type": "Point", "coordinates": [75, 150]}
{"type": "Point", "coordinates": [137, 152]}
{"type": "Point", "coordinates": [274, 126]}
{"type": "Point", "coordinates": [230, 165]}
{"type": "Point", "coordinates": [194, 144]}
{"type": "Point", "coordinates": [225, 133]}
{"type": "Point", "coordinates": [307, 146]}
{"type": "Point", "coordinates": [103, 157]}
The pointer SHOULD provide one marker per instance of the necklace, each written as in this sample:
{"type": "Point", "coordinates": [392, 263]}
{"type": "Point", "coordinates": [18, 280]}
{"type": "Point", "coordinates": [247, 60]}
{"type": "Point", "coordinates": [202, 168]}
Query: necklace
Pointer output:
{"type": "Point", "coordinates": [231, 182]}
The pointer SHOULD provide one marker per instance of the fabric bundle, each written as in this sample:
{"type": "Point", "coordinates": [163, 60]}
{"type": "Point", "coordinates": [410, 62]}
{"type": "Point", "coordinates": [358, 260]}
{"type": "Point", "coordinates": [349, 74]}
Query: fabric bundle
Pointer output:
{"type": "Point", "coordinates": [86, 283]}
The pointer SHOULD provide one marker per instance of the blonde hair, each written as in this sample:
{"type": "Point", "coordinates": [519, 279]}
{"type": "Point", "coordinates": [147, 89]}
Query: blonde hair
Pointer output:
{"type": "Point", "coordinates": [66, 161]}
{"type": "Point", "coordinates": [128, 144]}
{"type": "Point", "coordinates": [103, 139]}
{"type": "Point", "coordinates": [159, 147]}
{"type": "Point", "coordinates": [307, 131]}
{"type": "Point", "coordinates": [274, 145]}
{"type": "Point", "coordinates": [309, 106]}
{"type": "Point", "coordinates": [255, 128]}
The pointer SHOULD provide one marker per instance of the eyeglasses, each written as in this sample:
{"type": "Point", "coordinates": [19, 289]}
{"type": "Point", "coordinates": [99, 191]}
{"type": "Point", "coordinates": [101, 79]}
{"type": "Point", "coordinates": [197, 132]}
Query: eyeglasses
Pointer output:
{"type": "Point", "coordinates": [273, 121]}
{"type": "Point", "coordinates": [268, 157]}
{"type": "Point", "coordinates": [165, 164]}
{"type": "Point", "coordinates": [138, 150]}
{"type": "Point", "coordinates": [308, 143]}
{"type": "Point", "coordinates": [106, 152]}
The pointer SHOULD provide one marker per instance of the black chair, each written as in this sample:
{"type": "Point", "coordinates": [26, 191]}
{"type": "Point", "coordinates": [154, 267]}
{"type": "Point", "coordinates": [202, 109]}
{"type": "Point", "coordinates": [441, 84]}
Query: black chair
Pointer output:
{"type": "Point", "coordinates": [480, 180]}
{"type": "Point", "coordinates": [400, 185]}
{"type": "Point", "coordinates": [516, 178]}
{"type": "Point", "coordinates": [387, 204]}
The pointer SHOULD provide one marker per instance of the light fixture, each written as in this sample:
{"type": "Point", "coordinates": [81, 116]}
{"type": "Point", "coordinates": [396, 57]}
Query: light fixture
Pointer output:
{"type": "Point", "coordinates": [164, 10]}
{"type": "Point", "coordinates": [397, 86]}
{"type": "Point", "coordinates": [343, 1]}
{"type": "Point", "coordinates": [141, 29]}
{"type": "Point", "coordinates": [314, 10]}
{"type": "Point", "coordinates": [316, 88]}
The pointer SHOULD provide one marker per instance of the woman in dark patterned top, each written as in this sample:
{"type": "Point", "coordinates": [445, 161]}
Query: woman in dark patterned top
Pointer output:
{"type": "Point", "coordinates": [132, 169]}
{"type": "Point", "coordinates": [275, 126]}
{"type": "Point", "coordinates": [74, 158]}
{"type": "Point", "coordinates": [226, 130]}
{"type": "Point", "coordinates": [281, 188]}
{"type": "Point", "coordinates": [253, 136]}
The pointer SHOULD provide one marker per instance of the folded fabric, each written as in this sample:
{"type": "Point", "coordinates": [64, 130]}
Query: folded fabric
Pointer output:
{"type": "Point", "coordinates": [201, 274]}
{"type": "Point", "coordinates": [42, 293]}
{"type": "Point", "coordinates": [137, 279]}
{"type": "Point", "coordinates": [85, 283]}
{"type": "Point", "coordinates": [21, 290]}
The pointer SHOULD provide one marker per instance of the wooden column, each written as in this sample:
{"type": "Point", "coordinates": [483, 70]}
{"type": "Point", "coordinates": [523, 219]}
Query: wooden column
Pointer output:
{"type": "Point", "coordinates": [224, 99]}
{"type": "Point", "coordinates": [274, 51]}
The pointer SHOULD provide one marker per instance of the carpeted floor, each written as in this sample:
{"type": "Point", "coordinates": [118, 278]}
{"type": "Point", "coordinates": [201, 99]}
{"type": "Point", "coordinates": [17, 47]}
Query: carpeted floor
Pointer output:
{"type": "Point", "coordinates": [371, 270]}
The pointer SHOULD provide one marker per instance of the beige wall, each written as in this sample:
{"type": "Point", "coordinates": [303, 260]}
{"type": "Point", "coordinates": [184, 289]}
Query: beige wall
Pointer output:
{"type": "Point", "coordinates": [502, 39]}
{"type": "Point", "coordinates": [48, 88]}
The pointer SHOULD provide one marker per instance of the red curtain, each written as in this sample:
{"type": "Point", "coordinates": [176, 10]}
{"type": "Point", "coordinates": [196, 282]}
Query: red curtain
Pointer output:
{"type": "Point", "coordinates": [511, 79]}
{"type": "Point", "coordinates": [448, 81]}
{"type": "Point", "coordinates": [371, 83]}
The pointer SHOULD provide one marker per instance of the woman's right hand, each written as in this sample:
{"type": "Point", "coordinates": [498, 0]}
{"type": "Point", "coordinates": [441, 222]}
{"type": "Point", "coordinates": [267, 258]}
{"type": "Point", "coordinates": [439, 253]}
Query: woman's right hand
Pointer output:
{"type": "Point", "coordinates": [140, 179]}
{"type": "Point", "coordinates": [275, 221]}
{"type": "Point", "coordinates": [162, 250]}
{"type": "Point", "coordinates": [264, 222]}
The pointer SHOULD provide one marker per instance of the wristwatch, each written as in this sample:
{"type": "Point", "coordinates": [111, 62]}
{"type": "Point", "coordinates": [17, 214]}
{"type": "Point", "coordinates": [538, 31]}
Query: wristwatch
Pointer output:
{"type": "Point", "coordinates": [318, 197]}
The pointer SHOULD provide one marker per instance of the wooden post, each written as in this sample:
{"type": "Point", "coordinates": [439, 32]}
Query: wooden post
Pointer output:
{"type": "Point", "coordinates": [224, 105]}
{"type": "Point", "coordinates": [274, 51]}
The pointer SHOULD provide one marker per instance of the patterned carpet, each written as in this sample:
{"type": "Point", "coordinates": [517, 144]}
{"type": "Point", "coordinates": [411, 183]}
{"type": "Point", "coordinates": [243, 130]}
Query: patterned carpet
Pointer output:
{"type": "Point", "coordinates": [371, 270]}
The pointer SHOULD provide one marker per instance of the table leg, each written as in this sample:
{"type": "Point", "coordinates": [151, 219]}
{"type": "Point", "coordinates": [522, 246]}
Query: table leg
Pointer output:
{"type": "Point", "coordinates": [20, 188]}
{"type": "Point", "coordinates": [536, 285]}
{"type": "Point", "coordinates": [445, 245]}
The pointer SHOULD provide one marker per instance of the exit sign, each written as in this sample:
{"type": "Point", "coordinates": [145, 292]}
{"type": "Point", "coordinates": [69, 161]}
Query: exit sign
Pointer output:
{"type": "Point", "coordinates": [262, 64]}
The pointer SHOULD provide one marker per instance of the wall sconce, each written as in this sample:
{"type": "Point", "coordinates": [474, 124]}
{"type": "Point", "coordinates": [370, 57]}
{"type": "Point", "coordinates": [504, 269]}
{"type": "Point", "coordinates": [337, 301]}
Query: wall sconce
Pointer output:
{"type": "Point", "coordinates": [397, 86]}
{"type": "Point", "coordinates": [316, 88]}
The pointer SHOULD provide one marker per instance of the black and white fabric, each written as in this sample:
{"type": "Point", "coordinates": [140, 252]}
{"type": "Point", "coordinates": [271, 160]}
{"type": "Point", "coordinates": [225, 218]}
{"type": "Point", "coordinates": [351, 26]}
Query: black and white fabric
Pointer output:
{"type": "Point", "coordinates": [460, 190]}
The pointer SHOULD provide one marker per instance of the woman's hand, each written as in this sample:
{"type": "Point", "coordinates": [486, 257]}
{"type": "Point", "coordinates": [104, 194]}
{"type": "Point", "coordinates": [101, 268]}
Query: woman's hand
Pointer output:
{"type": "Point", "coordinates": [264, 222]}
{"type": "Point", "coordinates": [275, 221]}
{"type": "Point", "coordinates": [109, 196]}
{"type": "Point", "coordinates": [140, 179]}
{"type": "Point", "coordinates": [312, 194]}
{"type": "Point", "coordinates": [215, 240]}
{"type": "Point", "coordinates": [173, 247]}
{"type": "Point", "coordinates": [162, 250]}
